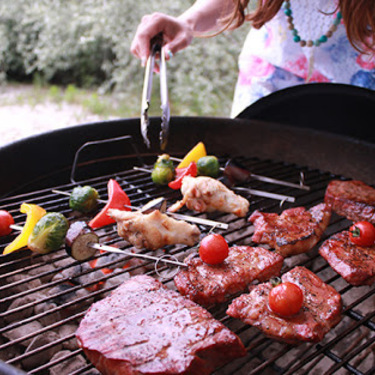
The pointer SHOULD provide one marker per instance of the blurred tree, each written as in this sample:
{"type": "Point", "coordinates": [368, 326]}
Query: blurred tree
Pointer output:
{"type": "Point", "coordinates": [86, 42]}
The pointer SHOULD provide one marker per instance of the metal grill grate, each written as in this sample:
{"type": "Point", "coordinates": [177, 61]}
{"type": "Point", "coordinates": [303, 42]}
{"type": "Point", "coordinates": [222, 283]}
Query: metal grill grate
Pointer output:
{"type": "Point", "coordinates": [43, 297]}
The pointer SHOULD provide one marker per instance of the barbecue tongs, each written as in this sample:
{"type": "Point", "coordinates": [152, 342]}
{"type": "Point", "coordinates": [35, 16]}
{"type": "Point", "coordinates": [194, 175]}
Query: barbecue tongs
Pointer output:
{"type": "Point", "coordinates": [156, 50]}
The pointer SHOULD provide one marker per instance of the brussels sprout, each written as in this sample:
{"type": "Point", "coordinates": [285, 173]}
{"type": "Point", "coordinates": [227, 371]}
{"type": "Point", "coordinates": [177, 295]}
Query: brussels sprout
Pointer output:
{"type": "Point", "coordinates": [208, 166]}
{"type": "Point", "coordinates": [162, 175]}
{"type": "Point", "coordinates": [163, 171]}
{"type": "Point", "coordinates": [164, 161]}
{"type": "Point", "coordinates": [83, 199]}
{"type": "Point", "coordinates": [48, 233]}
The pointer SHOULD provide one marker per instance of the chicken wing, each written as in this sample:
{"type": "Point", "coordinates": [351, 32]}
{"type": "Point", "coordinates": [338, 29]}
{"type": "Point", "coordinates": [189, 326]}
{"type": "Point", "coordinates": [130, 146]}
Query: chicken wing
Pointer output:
{"type": "Point", "coordinates": [205, 194]}
{"type": "Point", "coordinates": [154, 230]}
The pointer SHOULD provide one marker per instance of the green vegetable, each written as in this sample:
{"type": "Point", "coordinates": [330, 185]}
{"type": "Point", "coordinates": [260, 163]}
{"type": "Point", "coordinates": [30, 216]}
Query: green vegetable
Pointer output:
{"type": "Point", "coordinates": [48, 233]}
{"type": "Point", "coordinates": [162, 175]}
{"type": "Point", "coordinates": [164, 161]}
{"type": "Point", "coordinates": [208, 166]}
{"type": "Point", "coordinates": [84, 199]}
{"type": "Point", "coordinates": [163, 171]}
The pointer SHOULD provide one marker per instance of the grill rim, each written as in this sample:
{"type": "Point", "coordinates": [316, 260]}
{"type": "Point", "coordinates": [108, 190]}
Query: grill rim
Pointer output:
{"type": "Point", "coordinates": [234, 137]}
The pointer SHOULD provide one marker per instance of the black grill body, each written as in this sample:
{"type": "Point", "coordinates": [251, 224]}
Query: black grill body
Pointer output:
{"type": "Point", "coordinates": [37, 165]}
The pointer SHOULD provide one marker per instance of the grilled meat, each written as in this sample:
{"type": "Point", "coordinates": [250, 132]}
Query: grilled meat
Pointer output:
{"type": "Point", "coordinates": [154, 230]}
{"type": "Point", "coordinates": [356, 264]}
{"type": "Point", "coordinates": [205, 194]}
{"type": "Point", "coordinates": [353, 199]}
{"type": "Point", "coordinates": [295, 231]}
{"type": "Point", "coordinates": [321, 309]}
{"type": "Point", "coordinates": [145, 328]}
{"type": "Point", "coordinates": [207, 284]}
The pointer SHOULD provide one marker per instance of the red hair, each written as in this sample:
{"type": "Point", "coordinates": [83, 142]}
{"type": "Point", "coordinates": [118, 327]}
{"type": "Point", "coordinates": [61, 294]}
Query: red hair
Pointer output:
{"type": "Point", "coordinates": [358, 17]}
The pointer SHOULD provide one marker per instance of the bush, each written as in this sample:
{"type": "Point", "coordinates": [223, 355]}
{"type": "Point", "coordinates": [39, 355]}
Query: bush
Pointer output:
{"type": "Point", "coordinates": [86, 43]}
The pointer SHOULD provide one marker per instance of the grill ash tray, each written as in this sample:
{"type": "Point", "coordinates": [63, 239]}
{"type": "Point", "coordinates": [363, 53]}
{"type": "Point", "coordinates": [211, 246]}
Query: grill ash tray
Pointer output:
{"type": "Point", "coordinates": [44, 297]}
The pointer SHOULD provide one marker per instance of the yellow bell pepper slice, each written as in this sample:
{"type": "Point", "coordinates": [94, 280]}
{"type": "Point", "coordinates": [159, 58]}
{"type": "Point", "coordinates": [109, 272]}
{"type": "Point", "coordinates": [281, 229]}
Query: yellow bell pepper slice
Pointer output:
{"type": "Point", "coordinates": [34, 214]}
{"type": "Point", "coordinates": [194, 154]}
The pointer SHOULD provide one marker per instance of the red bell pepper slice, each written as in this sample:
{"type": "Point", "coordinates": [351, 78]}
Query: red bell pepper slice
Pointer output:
{"type": "Point", "coordinates": [117, 198]}
{"type": "Point", "coordinates": [191, 170]}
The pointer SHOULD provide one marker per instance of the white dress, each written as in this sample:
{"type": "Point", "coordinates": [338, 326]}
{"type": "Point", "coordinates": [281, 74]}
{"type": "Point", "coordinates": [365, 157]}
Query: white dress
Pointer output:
{"type": "Point", "coordinates": [271, 60]}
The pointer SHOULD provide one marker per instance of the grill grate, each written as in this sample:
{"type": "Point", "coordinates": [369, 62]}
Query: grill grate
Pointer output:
{"type": "Point", "coordinates": [43, 297]}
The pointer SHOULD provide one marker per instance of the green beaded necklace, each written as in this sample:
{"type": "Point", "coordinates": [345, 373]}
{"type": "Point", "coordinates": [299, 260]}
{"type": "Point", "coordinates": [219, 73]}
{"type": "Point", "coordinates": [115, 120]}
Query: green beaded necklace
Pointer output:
{"type": "Point", "coordinates": [309, 43]}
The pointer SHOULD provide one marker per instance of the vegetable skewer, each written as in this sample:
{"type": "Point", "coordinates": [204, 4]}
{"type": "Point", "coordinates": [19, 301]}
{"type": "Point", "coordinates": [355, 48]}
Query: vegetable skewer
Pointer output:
{"type": "Point", "coordinates": [81, 242]}
{"type": "Point", "coordinates": [259, 193]}
{"type": "Point", "coordinates": [192, 219]}
{"type": "Point", "coordinates": [42, 232]}
{"type": "Point", "coordinates": [34, 214]}
{"type": "Point", "coordinates": [263, 178]}
{"type": "Point", "coordinates": [68, 195]}
{"type": "Point", "coordinates": [112, 249]}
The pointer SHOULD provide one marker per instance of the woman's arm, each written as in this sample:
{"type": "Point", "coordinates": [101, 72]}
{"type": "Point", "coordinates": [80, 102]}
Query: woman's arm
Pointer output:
{"type": "Point", "coordinates": [201, 18]}
{"type": "Point", "coordinates": [204, 15]}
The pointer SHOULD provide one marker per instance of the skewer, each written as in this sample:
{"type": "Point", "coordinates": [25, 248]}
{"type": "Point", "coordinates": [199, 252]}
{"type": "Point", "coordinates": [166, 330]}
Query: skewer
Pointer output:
{"type": "Point", "coordinates": [266, 194]}
{"type": "Point", "coordinates": [255, 192]}
{"type": "Point", "coordinates": [112, 249]}
{"type": "Point", "coordinates": [270, 180]}
{"type": "Point", "coordinates": [192, 219]}
{"type": "Point", "coordinates": [16, 227]}
{"type": "Point", "coordinates": [68, 195]}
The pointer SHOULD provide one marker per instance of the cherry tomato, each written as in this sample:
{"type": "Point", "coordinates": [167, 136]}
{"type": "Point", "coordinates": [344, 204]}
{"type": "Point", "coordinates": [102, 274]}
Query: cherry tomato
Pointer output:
{"type": "Point", "coordinates": [285, 299]}
{"type": "Point", "coordinates": [213, 249]}
{"type": "Point", "coordinates": [6, 220]}
{"type": "Point", "coordinates": [362, 233]}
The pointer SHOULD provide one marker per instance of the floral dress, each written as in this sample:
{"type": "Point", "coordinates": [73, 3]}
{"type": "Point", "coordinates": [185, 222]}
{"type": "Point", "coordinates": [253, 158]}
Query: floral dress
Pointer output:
{"type": "Point", "coordinates": [271, 60]}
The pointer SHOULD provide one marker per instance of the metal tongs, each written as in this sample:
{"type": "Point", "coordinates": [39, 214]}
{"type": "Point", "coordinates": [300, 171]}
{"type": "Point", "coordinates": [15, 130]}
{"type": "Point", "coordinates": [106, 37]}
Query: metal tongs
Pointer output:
{"type": "Point", "coordinates": [156, 50]}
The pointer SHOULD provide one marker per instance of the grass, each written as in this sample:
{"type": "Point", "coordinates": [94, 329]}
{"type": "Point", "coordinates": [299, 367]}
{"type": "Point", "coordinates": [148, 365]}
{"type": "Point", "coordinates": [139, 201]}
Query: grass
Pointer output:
{"type": "Point", "coordinates": [103, 105]}
{"type": "Point", "coordinates": [107, 105]}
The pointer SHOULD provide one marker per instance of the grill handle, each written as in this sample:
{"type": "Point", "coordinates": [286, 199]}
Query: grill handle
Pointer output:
{"type": "Point", "coordinates": [101, 141]}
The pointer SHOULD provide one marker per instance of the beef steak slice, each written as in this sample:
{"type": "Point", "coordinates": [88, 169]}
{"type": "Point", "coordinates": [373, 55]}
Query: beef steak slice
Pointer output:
{"type": "Point", "coordinates": [208, 284]}
{"type": "Point", "coordinates": [355, 264]}
{"type": "Point", "coordinates": [321, 309]}
{"type": "Point", "coordinates": [145, 328]}
{"type": "Point", "coordinates": [295, 231]}
{"type": "Point", "coordinates": [353, 199]}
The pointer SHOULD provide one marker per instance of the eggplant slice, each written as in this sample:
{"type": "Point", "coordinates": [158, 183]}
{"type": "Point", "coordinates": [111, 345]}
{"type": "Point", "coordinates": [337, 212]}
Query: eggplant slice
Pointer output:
{"type": "Point", "coordinates": [78, 240]}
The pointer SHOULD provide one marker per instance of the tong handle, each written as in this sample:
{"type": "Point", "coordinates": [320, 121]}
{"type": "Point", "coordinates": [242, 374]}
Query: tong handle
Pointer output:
{"type": "Point", "coordinates": [156, 44]}
{"type": "Point", "coordinates": [165, 117]}
{"type": "Point", "coordinates": [156, 47]}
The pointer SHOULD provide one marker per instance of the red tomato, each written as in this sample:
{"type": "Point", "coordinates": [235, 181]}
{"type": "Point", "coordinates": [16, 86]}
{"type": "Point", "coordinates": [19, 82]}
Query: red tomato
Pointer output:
{"type": "Point", "coordinates": [213, 249]}
{"type": "Point", "coordinates": [285, 299]}
{"type": "Point", "coordinates": [362, 233]}
{"type": "Point", "coordinates": [6, 220]}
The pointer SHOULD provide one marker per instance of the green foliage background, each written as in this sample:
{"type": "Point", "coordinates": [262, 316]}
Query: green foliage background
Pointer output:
{"type": "Point", "coordinates": [86, 43]}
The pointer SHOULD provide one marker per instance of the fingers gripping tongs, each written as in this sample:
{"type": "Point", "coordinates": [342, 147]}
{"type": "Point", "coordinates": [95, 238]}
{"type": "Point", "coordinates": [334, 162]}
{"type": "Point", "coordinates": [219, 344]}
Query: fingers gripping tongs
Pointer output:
{"type": "Point", "coordinates": [156, 50]}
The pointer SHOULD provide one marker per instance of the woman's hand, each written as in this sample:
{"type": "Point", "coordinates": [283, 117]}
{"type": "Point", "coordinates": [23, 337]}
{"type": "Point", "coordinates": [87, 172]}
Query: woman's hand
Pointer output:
{"type": "Point", "coordinates": [177, 34]}
{"type": "Point", "coordinates": [202, 17]}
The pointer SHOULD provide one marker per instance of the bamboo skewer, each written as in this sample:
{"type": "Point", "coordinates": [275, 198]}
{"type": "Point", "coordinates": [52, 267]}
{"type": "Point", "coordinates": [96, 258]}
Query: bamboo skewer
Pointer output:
{"type": "Point", "coordinates": [112, 249]}
{"type": "Point", "coordinates": [192, 219]}
{"type": "Point", "coordinates": [259, 193]}
{"type": "Point", "coordinates": [270, 180]}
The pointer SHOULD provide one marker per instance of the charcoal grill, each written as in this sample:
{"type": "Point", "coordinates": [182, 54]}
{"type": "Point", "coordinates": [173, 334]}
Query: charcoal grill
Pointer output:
{"type": "Point", "coordinates": [58, 290]}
